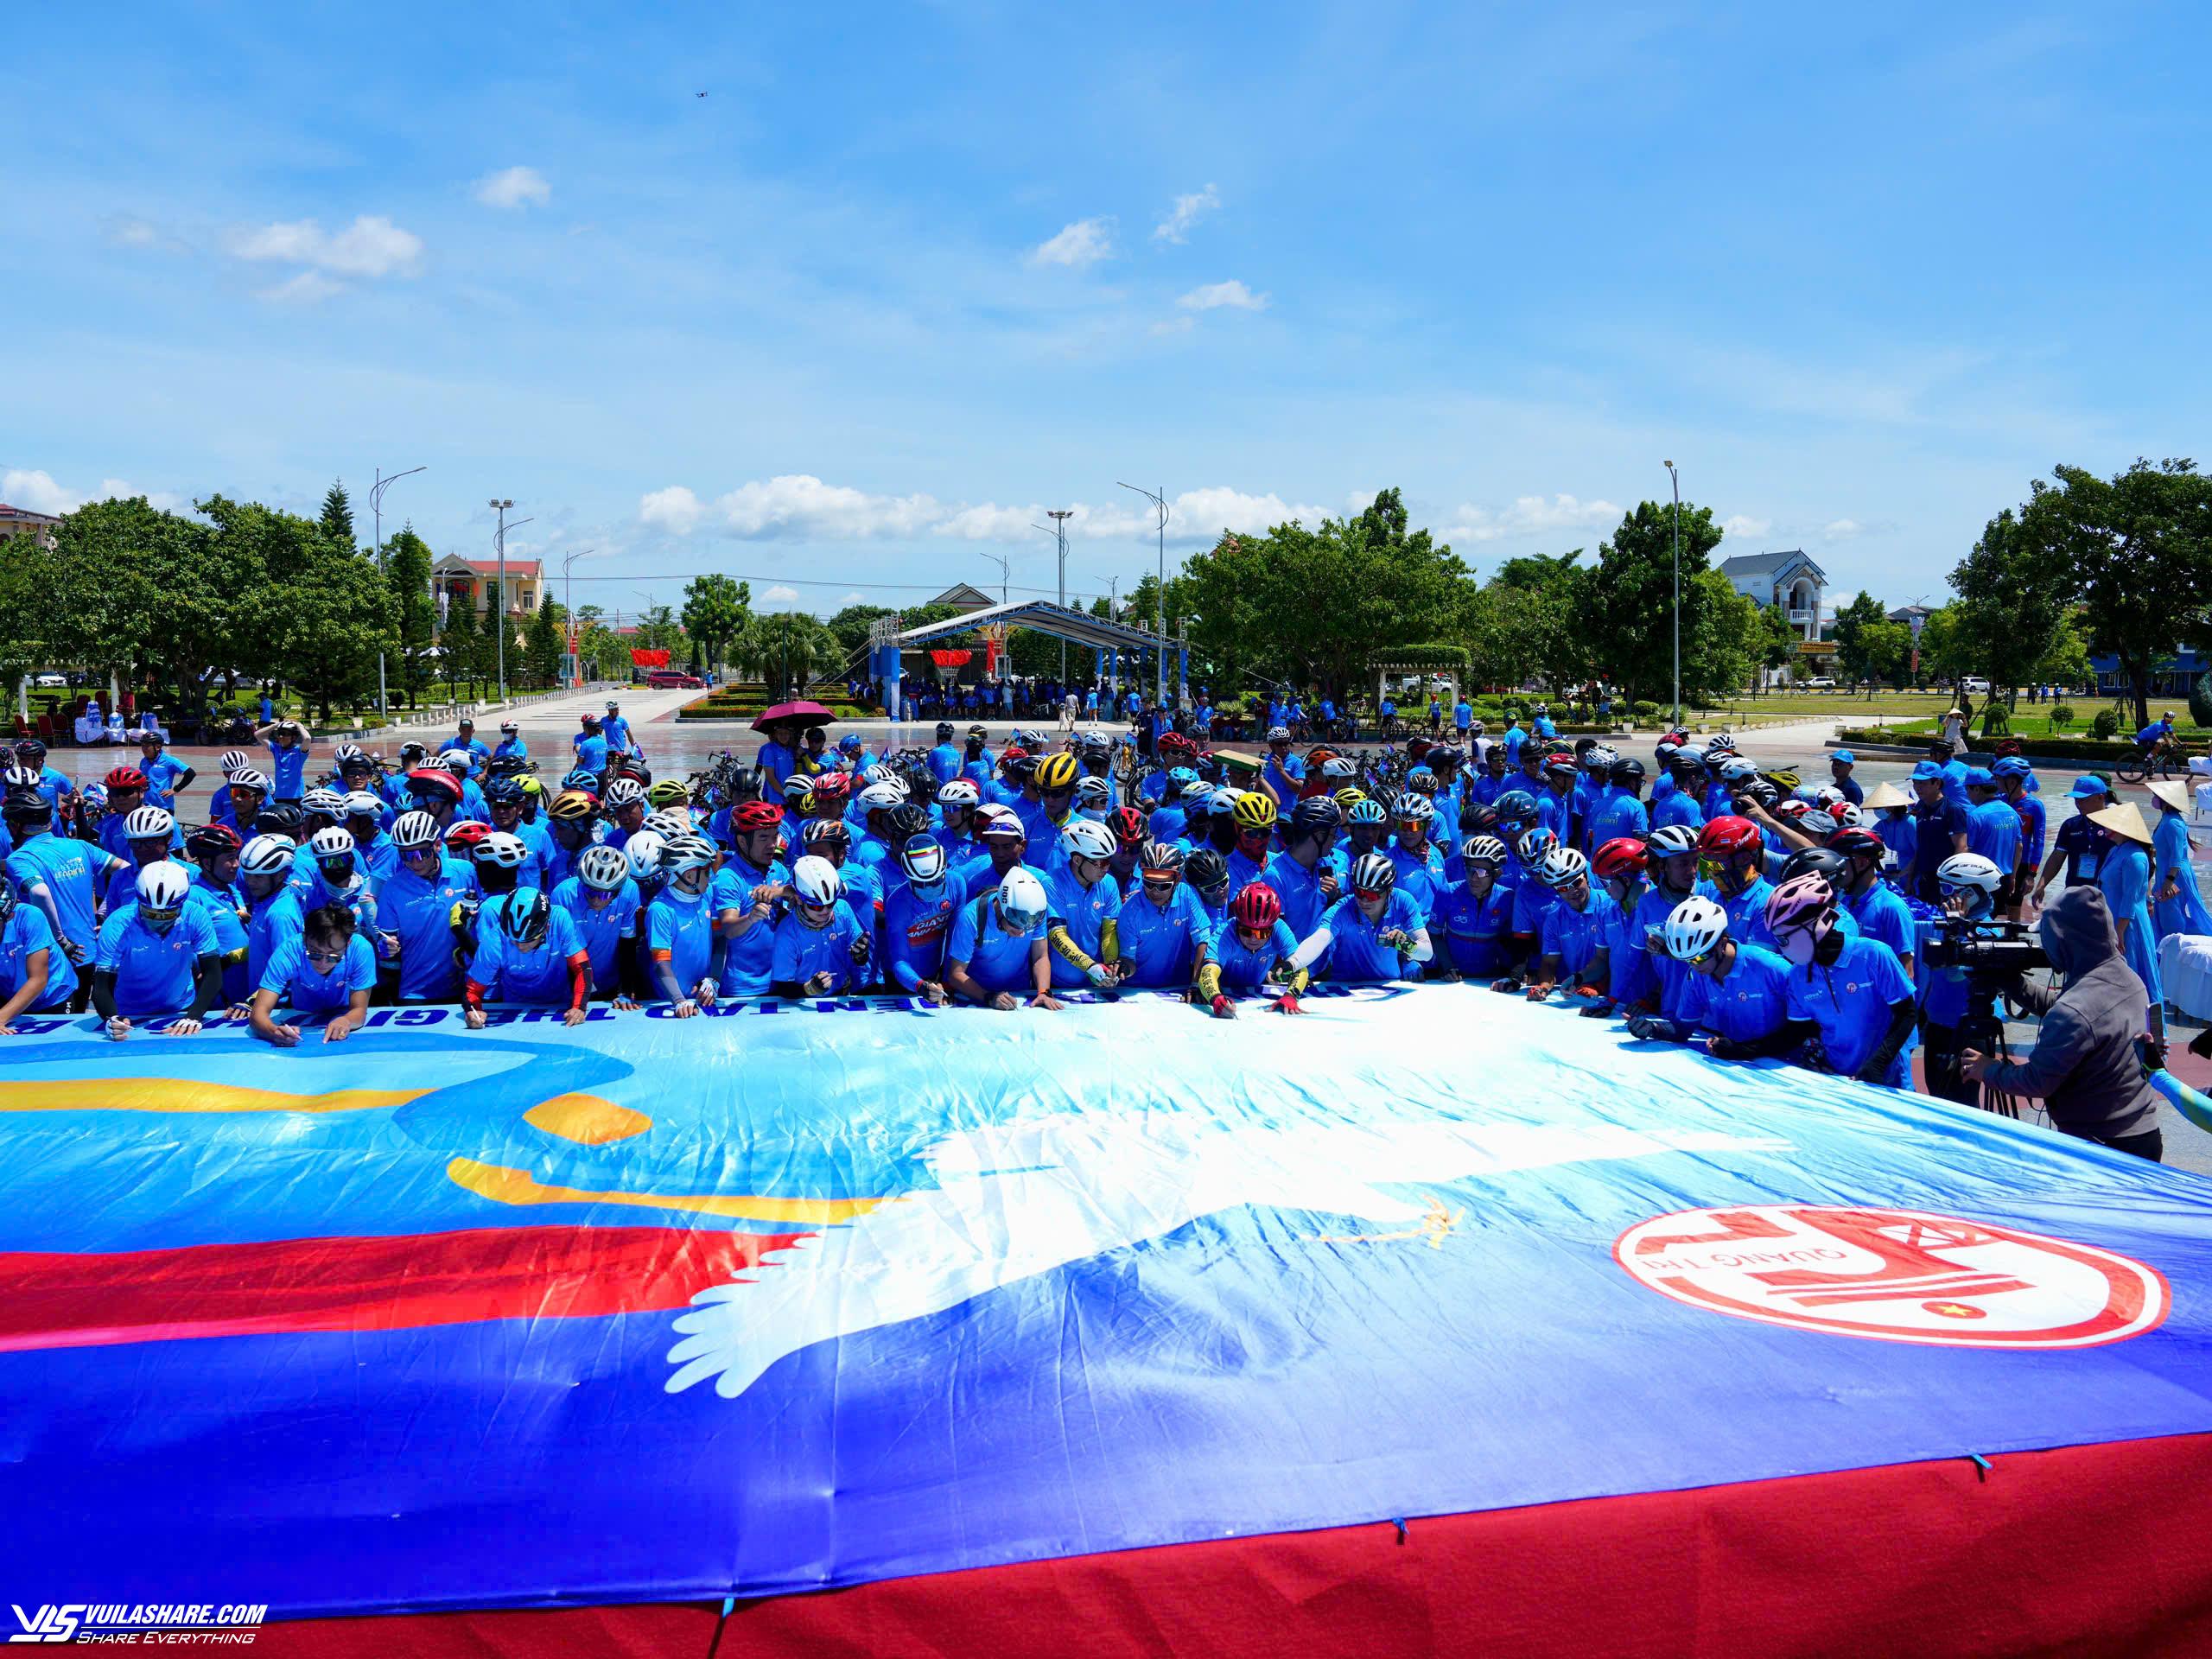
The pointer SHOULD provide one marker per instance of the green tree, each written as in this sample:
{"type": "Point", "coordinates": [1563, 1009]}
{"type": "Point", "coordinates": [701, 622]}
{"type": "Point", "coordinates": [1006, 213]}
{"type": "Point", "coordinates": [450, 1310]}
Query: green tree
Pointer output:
{"type": "Point", "coordinates": [407, 571]}
{"type": "Point", "coordinates": [338, 516]}
{"type": "Point", "coordinates": [1630, 617]}
{"type": "Point", "coordinates": [1774, 642]}
{"type": "Point", "coordinates": [148, 593]}
{"type": "Point", "coordinates": [1863, 612]}
{"type": "Point", "coordinates": [715, 611]}
{"type": "Point", "coordinates": [491, 624]}
{"type": "Point", "coordinates": [547, 642]}
{"type": "Point", "coordinates": [850, 626]}
{"type": "Point", "coordinates": [790, 650]}
{"type": "Point", "coordinates": [2138, 552]}
{"type": "Point", "coordinates": [458, 638]}
{"type": "Point", "coordinates": [2013, 600]}
{"type": "Point", "coordinates": [1724, 639]}
{"type": "Point", "coordinates": [322, 613]}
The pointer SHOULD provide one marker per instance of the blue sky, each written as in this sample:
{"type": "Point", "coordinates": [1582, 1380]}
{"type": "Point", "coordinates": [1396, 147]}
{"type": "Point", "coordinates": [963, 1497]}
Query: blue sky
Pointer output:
{"type": "Point", "coordinates": [910, 274]}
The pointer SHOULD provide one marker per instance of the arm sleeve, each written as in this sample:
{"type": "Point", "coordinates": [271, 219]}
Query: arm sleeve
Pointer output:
{"type": "Point", "coordinates": [1065, 948]}
{"type": "Point", "coordinates": [1311, 948]}
{"type": "Point", "coordinates": [104, 992]}
{"type": "Point", "coordinates": [1421, 949]}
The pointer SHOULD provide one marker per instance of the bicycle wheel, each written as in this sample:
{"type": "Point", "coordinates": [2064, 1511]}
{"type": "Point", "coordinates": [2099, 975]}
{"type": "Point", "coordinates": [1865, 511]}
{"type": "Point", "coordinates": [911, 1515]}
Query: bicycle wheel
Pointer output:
{"type": "Point", "coordinates": [2131, 770]}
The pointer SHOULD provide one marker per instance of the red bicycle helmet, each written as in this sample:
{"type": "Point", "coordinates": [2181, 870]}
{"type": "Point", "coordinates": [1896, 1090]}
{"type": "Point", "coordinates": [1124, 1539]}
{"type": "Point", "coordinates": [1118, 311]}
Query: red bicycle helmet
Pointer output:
{"type": "Point", "coordinates": [1728, 834]}
{"type": "Point", "coordinates": [1256, 909]}
{"type": "Point", "coordinates": [834, 785]}
{"type": "Point", "coordinates": [756, 815]}
{"type": "Point", "coordinates": [1619, 858]}
{"type": "Point", "coordinates": [1128, 825]}
{"type": "Point", "coordinates": [126, 777]}
{"type": "Point", "coordinates": [434, 780]}
{"type": "Point", "coordinates": [463, 837]}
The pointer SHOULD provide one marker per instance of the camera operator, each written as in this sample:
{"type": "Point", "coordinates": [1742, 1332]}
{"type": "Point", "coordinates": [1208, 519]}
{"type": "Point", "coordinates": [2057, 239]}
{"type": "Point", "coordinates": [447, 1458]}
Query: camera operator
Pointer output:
{"type": "Point", "coordinates": [2085, 1066]}
{"type": "Point", "coordinates": [1958, 1003]}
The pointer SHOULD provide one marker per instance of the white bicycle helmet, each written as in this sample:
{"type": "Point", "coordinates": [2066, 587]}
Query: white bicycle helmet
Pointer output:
{"type": "Point", "coordinates": [645, 853]}
{"type": "Point", "coordinates": [234, 761]}
{"type": "Point", "coordinates": [164, 886]}
{"type": "Point", "coordinates": [1483, 849]}
{"type": "Point", "coordinates": [686, 853]}
{"type": "Point", "coordinates": [603, 867]}
{"type": "Point", "coordinates": [879, 797]}
{"type": "Point", "coordinates": [248, 778]}
{"type": "Point", "coordinates": [1373, 873]}
{"type": "Point", "coordinates": [1693, 928]}
{"type": "Point", "coordinates": [360, 804]}
{"type": "Point", "coordinates": [961, 791]}
{"type": "Point", "coordinates": [625, 791]}
{"type": "Point", "coordinates": [503, 851]}
{"type": "Point", "coordinates": [148, 823]}
{"type": "Point", "coordinates": [267, 856]}
{"type": "Point", "coordinates": [816, 881]}
{"type": "Point", "coordinates": [1560, 865]}
{"type": "Point", "coordinates": [331, 843]}
{"type": "Point", "coordinates": [1968, 872]}
{"type": "Point", "coordinates": [1020, 900]}
{"type": "Point", "coordinates": [328, 802]}
{"type": "Point", "coordinates": [923, 859]}
{"type": "Point", "coordinates": [1669, 839]}
{"type": "Point", "coordinates": [1084, 839]}
{"type": "Point", "coordinates": [412, 831]}
{"type": "Point", "coordinates": [1413, 807]}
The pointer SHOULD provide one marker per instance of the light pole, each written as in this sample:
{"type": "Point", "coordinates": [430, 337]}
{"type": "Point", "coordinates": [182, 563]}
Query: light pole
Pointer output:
{"type": "Point", "coordinates": [1158, 500]}
{"type": "Point", "coordinates": [1005, 566]}
{"type": "Point", "coordinates": [567, 605]}
{"type": "Point", "coordinates": [1059, 516]}
{"type": "Point", "coordinates": [499, 619]}
{"type": "Point", "coordinates": [375, 512]}
{"type": "Point", "coordinates": [1113, 598]}
{"type": "Point", "coordinates": [1676, 478]}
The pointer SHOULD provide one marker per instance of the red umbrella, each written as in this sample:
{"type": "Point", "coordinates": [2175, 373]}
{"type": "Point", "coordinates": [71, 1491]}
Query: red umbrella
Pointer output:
{"type": "Point", "coordinates": [802, 714]}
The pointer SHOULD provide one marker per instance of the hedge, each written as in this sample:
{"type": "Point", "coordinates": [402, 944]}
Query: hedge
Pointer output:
{"type": "Point", "coordinates": [2053, 748]}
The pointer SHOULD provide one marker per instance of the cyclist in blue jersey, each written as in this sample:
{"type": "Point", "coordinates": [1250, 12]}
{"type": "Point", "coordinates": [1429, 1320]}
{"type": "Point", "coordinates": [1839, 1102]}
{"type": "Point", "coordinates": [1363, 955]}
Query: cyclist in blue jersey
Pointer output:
{"type": "Point", "coordinates": [681, 947]}
{"type": "Point", "coordinates": [1683, 802]}
{"type": "Point", "coordinates": [415, 910]}
{"type": "Point", "coordinates": [946, 759]}
{"type": "Point", "coordinates": [158, 956]}
{"type": "Point", "coordinates": [53, 788]}
{"type": "Point", "coordinates": [1575, 949]}
{"type": "Point", "coordinates": [1620, 810]}
{"type": "Point", "coordinates": [1736, 851]}
{"type": "Point", "coordinates": [1206, 872]}
{"type": "Point", "coordinates": [1544, 727]}
{"type": "Point", "coordinates": [821, 947]}
{"type": "Point", "coordinates": [742, 897]}
{"type": "Point", "coordinates": [861, 887]}
{"type": "Point", "coordinates": [165, 774]}
{"type": "Point", "coordinates": [1372, 933]}
{"type": "Point", "coordinates": [1165, 937]}
{"type": "Point", "coordinates": [1555, 804]}
{"type": "Point", "coordinates": [328, 968]}
{"type": "Point", "coordinates": [996, 956]}
{"type": "Point", "coordinates": [918, 917]}
{"type": "Point", "coordinates": [1283, 774]}
{"type": "Point", "coordinates": [1971, 884]}
{"type": "Point", "coordinates": [60, 878]}
{"type": "Point", "coordinates": [1254, 949]}
{"type": "Point", "coordinates": [1533, 897]}
{"type": "Point", "coordinates": [1476, 912]}
{"type": "Point", "coordinates": [1004, 845]}
{"type": "Point", "coordinates": [591, 748]}
{"type": "Point", "coordinates": [149, 835]}
{"type": "Point", "coordinates": [289, 745]}
{"type": "Point", "coordinates": [1992, 829]}
{"type": "Point", "coordinates": [1302, 875]}
{"type": "Point", "coordinates": [1252, 821]}
{"type": "Point", "coordinates": [1486, 790]}
{"type": "Point", "coordinates": [36, 976]}
{"type": "Point", "coordinates": [1670, 866]}
{"type": "Point", "coordinates": [621, 739]}
{"type": "Point", "coordinates": [1844, 988]}
{"type": "Point", "coordinates": [1881, 914]}
{"type": "Point", "coordinates": [510, 746]}
{"type": "Point", "coordinates": [273, 912]}
{"type": "Point", "coordinates": [527, 949]}
{"type": "Point", "coordinates": [2016, 778]}
{"type": "Point", "coordinates": [1620, 865]}
{"type": "Point", "coordinates": [601, 902]}
{"type": "Point", "coordinates": [1735, 996]}
{"type": "Point", "coordinates": [1417, 860]}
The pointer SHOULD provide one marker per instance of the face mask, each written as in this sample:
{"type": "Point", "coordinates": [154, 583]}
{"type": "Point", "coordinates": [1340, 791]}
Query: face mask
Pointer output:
{"type": "Point", "coordinates": [1797, 947]}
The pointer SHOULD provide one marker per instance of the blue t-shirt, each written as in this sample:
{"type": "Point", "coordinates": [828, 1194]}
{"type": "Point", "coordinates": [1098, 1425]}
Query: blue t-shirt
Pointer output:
{"type": "Point", "coordinates": [1246, 969]}
{"type": "Point", "coordinates": [162, 774]}
{"type": "Point", "coordinates": [801, 952]}
{"type": "Point", "coordinates": [1299, 889]}
{"type": "Point", "coordinates": [746, 962]}
{"type": "Point", "coordinates": [1750, 1004]}
{"type": "Point", "coordinates": [945, 761]}
{"type": "Point", "coordinates": [996, 960]}
{"type": "Point", "coordinates": [308, 986]}
{"type": "Point", "coordinates": [153, 971]}
{"type": "Point", "coordinates": [1357, 950]}
{"type": "Point", "coordinates": [1576, 937]}
{"type": "Point", "coordinates": [2034, 824]}
{"type": "Point", "coordinates": [600, 931]}
{"type": "Point", "coordinates": [1993, 830]}
{"type": "Point", "coordinates": [1163, 940]}
{"type": "Point", "coordinates": [591, 752]}
{"type": "Point", "coordinates": [1084, 911]}
{"type": "Point", "coordinates": [287, 770]}
{"type": "Point", "coordinates": [224, 906]}
{"type": "Point", "coordinates": [1476, 931]}
{"type": "Point", "coordinates": [1884, 918]}
{"type": "Point", "coordinates": [1619, 814]}
{"type": "Point", "coordinates": [26, 932]}
{"type": "Point", "coordinates": [916, 923]}
{"type": "Point", "coordinates": [419, 913]}
{"type": "Point", "coordinates": [1421, 876]}
{"type": "Point", "coordinates": [66, 869]}
{"type": "Point", "coordinates": [1850, 1001]}
{"type": "Point", "coordinates": [684, 932]}
{"type": "Point", "coordinates": [511, 974]}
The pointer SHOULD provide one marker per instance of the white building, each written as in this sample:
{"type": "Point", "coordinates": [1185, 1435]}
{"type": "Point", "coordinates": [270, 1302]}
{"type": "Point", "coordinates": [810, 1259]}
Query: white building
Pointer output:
{"type": "Point", "coordinates": [1789, 580]}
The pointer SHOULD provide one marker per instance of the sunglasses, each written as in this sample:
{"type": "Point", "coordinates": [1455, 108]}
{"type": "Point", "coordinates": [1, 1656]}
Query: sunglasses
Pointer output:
{"type": "Point", "coordinates": [325, 957]}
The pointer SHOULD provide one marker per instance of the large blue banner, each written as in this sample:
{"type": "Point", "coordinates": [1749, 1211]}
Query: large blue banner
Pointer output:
{"type": "Point", "coordinates": [789, 1298]}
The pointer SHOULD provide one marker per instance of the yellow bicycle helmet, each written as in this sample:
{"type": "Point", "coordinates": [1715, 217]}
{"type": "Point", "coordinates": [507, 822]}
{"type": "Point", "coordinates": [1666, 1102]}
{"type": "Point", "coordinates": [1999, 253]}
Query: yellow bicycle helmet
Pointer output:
{"type": "Point", "coordinates": [668, 792]}
{"type": "Point", "coordinates": [572, 806]}
{"type": "Point", "coordinates": [531, 786]}
{"type": "Point", "coordinates": [1349, 796]}
{"type": "Point", "coordinates": [1255, 812]}
{"type": "Point", "coordinates": [1056, 772]}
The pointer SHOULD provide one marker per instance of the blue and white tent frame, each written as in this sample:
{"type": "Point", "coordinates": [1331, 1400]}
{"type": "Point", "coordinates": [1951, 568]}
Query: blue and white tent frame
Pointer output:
{"type": "Point", "coordinates": [1109, 642]}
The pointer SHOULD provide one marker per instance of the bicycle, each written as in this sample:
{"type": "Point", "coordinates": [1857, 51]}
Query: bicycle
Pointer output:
{"type": "Point", "coordinates": [2159, 757]}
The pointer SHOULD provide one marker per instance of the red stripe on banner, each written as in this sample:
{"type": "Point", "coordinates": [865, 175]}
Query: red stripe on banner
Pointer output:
{"type": "Point", "coordinates": [54, 1301]}
{"type": "Point", "coordinates": [2091, 1549]}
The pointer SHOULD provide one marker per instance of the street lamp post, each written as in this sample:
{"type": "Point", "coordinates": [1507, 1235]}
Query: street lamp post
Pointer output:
{"type": "Point", "coordinates": [375, 512]}
{"type": "Point", "coordinates": [1676, 478]}
{"type": "Point", "coordinates": [498, 613]}
{"type": "Point", "coordinates": [1158, 500]}
{"type": "Point", "coordinates": [1059, 516]}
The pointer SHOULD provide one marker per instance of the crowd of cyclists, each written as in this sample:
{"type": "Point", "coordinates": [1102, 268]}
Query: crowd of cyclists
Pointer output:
{"type": "Point", "coordinates": [1695, 897]}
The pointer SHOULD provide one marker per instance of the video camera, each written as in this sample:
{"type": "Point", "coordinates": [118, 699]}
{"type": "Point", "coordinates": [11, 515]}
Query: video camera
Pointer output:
{"type": "Point", "coordinates": [1993, 952]}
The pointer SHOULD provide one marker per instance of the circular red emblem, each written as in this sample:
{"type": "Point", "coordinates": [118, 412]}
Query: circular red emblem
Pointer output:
{"type": "Point", "coordinates": [1896, 1275]}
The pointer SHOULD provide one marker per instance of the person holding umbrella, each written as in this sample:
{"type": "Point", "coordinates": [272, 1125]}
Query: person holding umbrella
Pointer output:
{"type": "Point", "coordinates": [781, 727]}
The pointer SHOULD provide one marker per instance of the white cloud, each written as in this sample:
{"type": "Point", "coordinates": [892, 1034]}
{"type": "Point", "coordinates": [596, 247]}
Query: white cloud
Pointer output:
{"type": "Point", "coordinates": [780, 594]}
{"type": "Point", "coordinates": [1186, 212]}
{"type": "Point", "coordinates": [370, 246]}
{"type": "Point", "coordinates": [1530, 515]}
{"type": "Point", "coordinates": [1214, 296]}
{"type": "Point", "coordinates": [513, 186]}
{"type": "Point", "coordinates": [1743, 525]}
{"type": "Point", "coordinates": [673, 509]}
{"type": "Point", "coordinates": [302, 287]}
{"type": "Point", "coordinates": [1174, 326]}
{"type": "Point", "coordinates": [1842, 529]}
{"type": "Point", "coordinates": [855, 597]}
{"type": "Point", "coordinates": [801, 507]}
{"type": "Point", "coordinates": [128, 231]}
{"type": "Point", "coordinates": [37, 490]}
{"type": "Point", "coordinates": [1083, 242]}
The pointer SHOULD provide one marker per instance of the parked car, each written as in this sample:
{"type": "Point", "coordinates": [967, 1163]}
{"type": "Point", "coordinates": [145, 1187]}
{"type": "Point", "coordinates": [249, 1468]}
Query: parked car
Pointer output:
{"type": "Point", "coordinates": [673, 679]}
{"type": "Point", "coordinates": [1820, 683]}
{"type": "Point", "coordinates": [52, 682]}
{"type": "Point", "coordinates": [1975, 684]}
